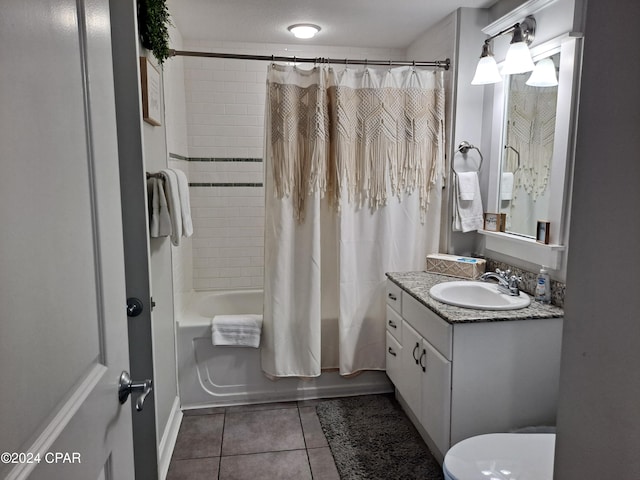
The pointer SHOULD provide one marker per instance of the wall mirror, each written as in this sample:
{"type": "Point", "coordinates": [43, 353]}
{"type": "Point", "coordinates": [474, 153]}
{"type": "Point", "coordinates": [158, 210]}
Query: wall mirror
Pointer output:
{"type": "Point", "coordinates": [527, 148]}
{"type": "Point", "coordinates": [533, 139]}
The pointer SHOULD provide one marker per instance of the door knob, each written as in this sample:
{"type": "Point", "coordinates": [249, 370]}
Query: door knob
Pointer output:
{"type": "Point", "coordinates": [126, 386]}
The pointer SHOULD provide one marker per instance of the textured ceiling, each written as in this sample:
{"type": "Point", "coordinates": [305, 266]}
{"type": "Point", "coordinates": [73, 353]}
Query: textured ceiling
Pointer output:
{"type": "Point", "coordinates": [353, 23]}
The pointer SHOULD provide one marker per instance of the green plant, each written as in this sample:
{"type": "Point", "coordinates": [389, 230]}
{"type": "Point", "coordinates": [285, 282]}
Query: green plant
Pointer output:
{"type": "Point", "coordinates": [153, 23]}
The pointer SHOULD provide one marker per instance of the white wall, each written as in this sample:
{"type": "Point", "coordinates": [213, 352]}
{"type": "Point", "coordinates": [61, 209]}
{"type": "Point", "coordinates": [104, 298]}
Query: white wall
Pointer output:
{"type": "Point", "coordinates": [178, 152]}
{"type": "Point", "coordinates": [162, 315]}
{"type": "Point", "coordinates": [458, 37]}
{"type": "Point", "coordinates": [225, 122]}
{"type": "Point", "coordinates": [598, 428]}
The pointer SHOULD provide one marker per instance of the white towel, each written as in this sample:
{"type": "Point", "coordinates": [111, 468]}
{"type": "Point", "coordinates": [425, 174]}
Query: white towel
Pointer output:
{"type": "Point", "coordinates": [468, 214]}
{"type": "Point", "coordinates": [237, 330]}
{"type": "Point", "coordinates": [154, 206]}
{"type": "Point", "coordinates": [185, 206]}
{"type": "Point", "coordinates": [173, 199]}
{"type": "Point", "coordinates": [506, 186]}
{"type": "Point", "coordinates": [160, 225]}
{"type": "Point", "coordinates": [467, 182]}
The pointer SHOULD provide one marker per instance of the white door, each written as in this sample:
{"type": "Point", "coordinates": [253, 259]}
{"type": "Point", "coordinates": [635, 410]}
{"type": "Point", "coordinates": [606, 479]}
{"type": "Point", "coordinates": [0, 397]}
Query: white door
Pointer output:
{"type": "Point", "coordinates": [63, 327]}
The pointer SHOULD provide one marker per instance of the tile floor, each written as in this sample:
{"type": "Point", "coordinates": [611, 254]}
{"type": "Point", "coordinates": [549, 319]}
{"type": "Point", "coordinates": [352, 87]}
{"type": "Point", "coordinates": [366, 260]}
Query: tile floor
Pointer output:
{"type": "Point", "coordinates": [275, 441]}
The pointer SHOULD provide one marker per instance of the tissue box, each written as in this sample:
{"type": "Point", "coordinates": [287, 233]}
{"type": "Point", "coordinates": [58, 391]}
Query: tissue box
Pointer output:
{"type": "Point", "coordinates": [455, 265]}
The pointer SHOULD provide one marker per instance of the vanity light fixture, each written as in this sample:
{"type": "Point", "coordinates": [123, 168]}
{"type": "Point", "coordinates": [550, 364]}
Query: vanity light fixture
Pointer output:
{"type": "Point", "coordinates": [304, 30]}
{"type": "Point", "coordinates": [544, 75]}
{"type": "Point", "coordinates": [518, 58]}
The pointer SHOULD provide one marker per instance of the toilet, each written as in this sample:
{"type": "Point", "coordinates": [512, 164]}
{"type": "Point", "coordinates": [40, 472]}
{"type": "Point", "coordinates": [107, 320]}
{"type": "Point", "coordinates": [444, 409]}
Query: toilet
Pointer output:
{"type": "Point", "coordinates": [501, 456]}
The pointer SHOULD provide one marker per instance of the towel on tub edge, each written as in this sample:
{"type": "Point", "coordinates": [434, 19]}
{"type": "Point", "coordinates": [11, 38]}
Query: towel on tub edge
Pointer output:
{"type": "Point", "coordinates": [236, 330]}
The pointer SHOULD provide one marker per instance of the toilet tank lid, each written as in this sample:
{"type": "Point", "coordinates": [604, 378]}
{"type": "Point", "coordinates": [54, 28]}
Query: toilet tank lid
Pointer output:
{"type": "Point", "coordinates": [502, 456]}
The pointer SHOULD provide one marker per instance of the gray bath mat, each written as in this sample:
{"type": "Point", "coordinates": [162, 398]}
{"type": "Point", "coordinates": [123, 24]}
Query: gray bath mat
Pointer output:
{"type": "Point", "coordinates": [371, 438]}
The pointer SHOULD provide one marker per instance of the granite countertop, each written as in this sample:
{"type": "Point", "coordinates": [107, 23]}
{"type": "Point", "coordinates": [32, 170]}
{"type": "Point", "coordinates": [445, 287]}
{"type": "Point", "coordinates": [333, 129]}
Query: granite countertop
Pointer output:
{"type": "Point", "coordinates": [417, 284]}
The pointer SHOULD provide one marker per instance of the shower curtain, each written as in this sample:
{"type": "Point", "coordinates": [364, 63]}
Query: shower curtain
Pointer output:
{"type": "Point", "coordinates": [354, 166]}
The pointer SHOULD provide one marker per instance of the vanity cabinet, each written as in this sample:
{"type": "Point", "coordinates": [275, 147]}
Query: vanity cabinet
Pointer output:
{"type": "Point", "coordinates": [461, 379]}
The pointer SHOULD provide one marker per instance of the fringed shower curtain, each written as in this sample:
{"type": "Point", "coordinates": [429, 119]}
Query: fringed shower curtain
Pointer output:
{"type": "Point", "coordinates": [354, 166]}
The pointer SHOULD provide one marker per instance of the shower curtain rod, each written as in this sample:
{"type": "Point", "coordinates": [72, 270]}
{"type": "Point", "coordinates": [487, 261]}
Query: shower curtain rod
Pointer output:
{"type": "Point", "coordinates": [277, 58]}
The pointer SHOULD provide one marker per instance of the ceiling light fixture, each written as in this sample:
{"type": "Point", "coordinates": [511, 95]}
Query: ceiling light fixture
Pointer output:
{"type": "Point", "coordinates": [518, 58]}
{"type": "Point", "coordinates": [304, 30]}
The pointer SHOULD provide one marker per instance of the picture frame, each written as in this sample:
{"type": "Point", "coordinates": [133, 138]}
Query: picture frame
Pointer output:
{"type": "Point", "coordinates": [150, 82]}
{"type": "Point", "coordinates": [495, 222]}
{"type": "Point", "coordinates": [542, 232]}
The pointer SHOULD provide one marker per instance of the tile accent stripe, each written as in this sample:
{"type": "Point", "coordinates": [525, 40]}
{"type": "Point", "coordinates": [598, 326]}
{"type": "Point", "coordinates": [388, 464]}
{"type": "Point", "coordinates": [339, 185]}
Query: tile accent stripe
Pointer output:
{"type": "Point", "coordinates": [196, 184]}
{"type": "Point", "coordinates": [212, 159]}
{"type": "Point", "coordinates": [206, 184]}
{"type": "Point", "coordinates": [206, 159]}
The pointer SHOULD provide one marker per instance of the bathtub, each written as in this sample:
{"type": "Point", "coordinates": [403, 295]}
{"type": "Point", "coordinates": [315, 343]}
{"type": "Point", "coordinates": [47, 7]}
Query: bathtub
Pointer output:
{"type": "Point", "coordinates": [211, 376]}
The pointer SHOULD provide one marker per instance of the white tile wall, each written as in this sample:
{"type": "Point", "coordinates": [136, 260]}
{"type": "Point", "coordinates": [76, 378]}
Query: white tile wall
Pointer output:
{"type": "Point", "coordinates": [225, 119]}
{"type": "Point", "coordinates": [228, 224]}
{"type": "Point", "coordinates": [176, 128]}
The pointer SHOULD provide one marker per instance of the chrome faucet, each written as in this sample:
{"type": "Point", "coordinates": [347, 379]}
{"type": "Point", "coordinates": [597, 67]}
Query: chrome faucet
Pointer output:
{"type": "Point", "coordinates": [507, 283]}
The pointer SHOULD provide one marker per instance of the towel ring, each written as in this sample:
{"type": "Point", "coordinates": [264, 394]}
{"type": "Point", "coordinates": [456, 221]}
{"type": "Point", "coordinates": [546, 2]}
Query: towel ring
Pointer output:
{"type": "Point", "coordinates": [517, 153]}
{"type": "Point", "coordinates": [464, 148]}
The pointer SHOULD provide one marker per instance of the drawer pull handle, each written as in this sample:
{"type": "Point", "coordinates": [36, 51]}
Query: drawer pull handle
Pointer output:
{"type": "Point", "coordinates": [392, 324]}
{"type": "Point", "coordinates": [424, 355]}
{"type": "Point", "coordinates": [393, 297]}
{"type": "Point", "coordinates": [416, 348]}
{"type": "Point", "coordinates": [392, 352]}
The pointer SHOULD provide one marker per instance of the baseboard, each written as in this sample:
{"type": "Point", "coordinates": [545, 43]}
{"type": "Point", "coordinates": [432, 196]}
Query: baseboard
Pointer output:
{"type": "Point", "coordinates": [168, 441]}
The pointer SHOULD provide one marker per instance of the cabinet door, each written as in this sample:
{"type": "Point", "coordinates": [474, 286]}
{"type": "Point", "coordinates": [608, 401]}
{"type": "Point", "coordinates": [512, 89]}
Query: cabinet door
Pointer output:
{"type": "Point", "coordinates": [436, 395]}
{"type": "Point", "coordinates": [409, 383]}
{"type": "Point", "coordinates": [394, 360]}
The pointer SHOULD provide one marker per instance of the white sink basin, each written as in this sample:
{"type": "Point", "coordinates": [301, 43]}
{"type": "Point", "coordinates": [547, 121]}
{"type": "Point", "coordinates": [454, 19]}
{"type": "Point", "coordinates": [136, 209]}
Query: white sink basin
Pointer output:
{"type": "Point", "coordinates": [478, 295]}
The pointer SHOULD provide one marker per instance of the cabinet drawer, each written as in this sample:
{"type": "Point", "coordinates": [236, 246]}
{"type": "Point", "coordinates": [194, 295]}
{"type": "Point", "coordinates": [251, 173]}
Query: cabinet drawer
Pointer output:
{"type": "Point", "coordinates": [428, 324]}
{"type": "Point", "coordinates": [394, 359]}
{"type": "Point", "coordinates": [394, 296]}
{"type": "Point", "coordinates": [394, 324]}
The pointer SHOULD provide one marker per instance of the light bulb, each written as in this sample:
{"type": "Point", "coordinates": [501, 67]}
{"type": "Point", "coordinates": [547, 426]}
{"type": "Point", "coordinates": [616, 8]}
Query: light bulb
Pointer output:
{"type": "Point", "coordinates": [487, 69]}
{"type": "Point", "coordinates": [544, 75]}
{"type": "Point", "coordinates": [486, 72]}
{"type": "Point", "coordinates": [518, 59]}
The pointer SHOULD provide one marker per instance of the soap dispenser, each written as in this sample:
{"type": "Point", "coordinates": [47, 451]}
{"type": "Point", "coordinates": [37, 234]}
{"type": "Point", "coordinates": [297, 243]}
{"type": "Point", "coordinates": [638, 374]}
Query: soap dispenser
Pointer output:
{"type": "Point", "coordinates": [543, 287]}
